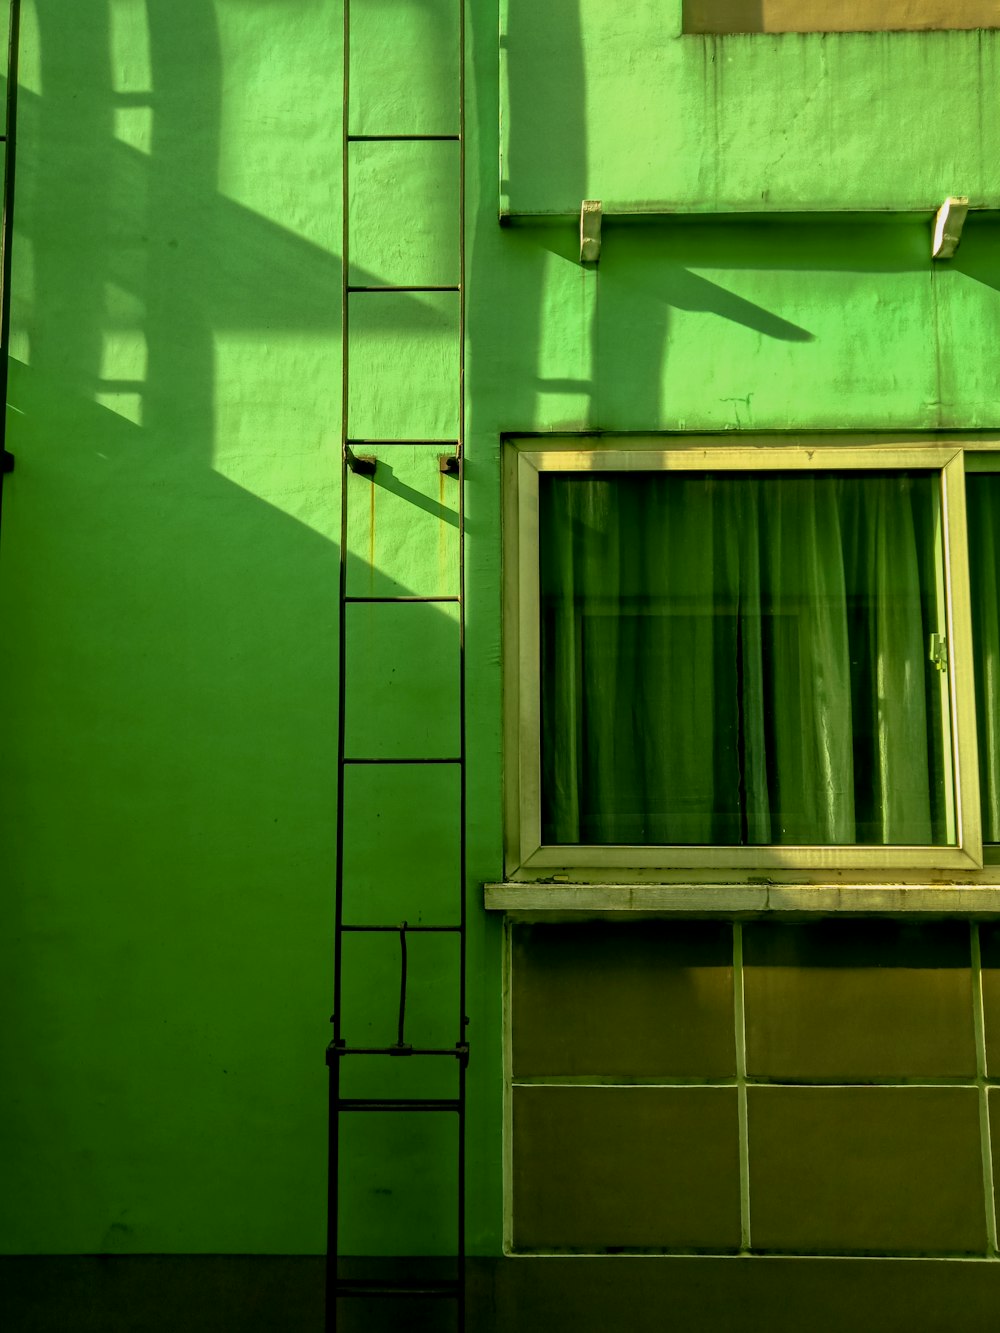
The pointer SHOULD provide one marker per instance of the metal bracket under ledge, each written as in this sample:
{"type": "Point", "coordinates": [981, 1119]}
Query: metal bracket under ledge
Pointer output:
{"type": "Point", "coordinates": [590, 231]}
{"type": "Point", "coordinates": [948, 226]}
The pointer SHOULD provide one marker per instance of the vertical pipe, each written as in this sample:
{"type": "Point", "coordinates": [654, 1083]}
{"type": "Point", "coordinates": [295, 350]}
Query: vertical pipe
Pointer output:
{"type": "Point", "coordinates": [463, 1020]}
{"type": "Point", "coordinates": [7, 218]}
{"type": "Point", "coordinates": [332, 1211]}
{"type": "Point", "coordinates": [463, 780]}
{"type": "Point", "coordinates": [460, 1254]}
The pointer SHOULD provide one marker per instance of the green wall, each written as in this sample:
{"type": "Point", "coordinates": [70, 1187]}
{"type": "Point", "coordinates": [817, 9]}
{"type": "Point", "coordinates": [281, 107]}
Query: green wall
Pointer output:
{"type": "Point", "coordinates": [169, 556]}
{"type": "Point", "coordinates": [625, 108]}
{"type": "Point", "coordinates": [167, 572]}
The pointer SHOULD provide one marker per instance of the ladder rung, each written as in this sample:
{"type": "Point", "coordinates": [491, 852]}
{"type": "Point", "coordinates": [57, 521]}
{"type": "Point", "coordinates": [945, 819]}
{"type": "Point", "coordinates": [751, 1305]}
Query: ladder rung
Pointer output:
{"type": "Point", "coordinates": [391, 759]}
{"type": "Point", "coordinates": [402, 599]}
{"type": "Point", "coordinates": [372, 1287]}
{"type": "Point", "coordinates": [394, 930]}
{"type": "Point", "coordinates": [461, 1051]}
{"type": "Point", "coordinates": [374, 444]}
{"type": "Point", "coordinates": [404, 138]}
{"type": "Point", "coordinates": [353, 289]}
{"type": "Point", "coordinates": [398, 1104]}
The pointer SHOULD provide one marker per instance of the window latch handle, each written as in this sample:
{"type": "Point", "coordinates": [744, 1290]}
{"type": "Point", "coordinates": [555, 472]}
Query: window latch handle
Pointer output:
{"type": "Point", "coordinates": [938, 652]}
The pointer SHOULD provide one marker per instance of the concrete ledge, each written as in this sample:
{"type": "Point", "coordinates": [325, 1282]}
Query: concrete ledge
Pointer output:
{"type": "Point", "coordinates": [547, 900]}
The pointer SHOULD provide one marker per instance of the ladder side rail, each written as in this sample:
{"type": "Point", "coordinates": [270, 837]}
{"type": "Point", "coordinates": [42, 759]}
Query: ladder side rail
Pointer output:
{"type": "Point", "coordinates": [463, 1020]}
{"type": "Point", "coordinates": [7, 223]}
{"type": "Point", "coordinates": [333, 1060]}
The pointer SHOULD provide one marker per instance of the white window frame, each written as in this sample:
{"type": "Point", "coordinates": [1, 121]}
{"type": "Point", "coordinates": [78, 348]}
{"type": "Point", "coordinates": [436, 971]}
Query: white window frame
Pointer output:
{"type": "Point", "coordinates": [526, 856]}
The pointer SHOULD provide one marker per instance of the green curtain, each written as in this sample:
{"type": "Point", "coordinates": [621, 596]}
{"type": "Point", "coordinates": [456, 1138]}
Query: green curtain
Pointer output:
{"type": "Point", "coordinates": [740, 658]}
{"type": "Point", "coordinates": [983, 491]}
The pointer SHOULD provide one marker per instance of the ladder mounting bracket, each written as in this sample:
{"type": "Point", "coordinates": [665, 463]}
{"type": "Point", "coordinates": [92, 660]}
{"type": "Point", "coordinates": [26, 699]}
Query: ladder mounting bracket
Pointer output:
{"type": "Point", "coordinates": [362, 465]}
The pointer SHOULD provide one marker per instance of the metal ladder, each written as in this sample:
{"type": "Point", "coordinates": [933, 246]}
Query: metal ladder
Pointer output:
{"type": "Point", "coordinates": [8, 140]}
{"type": "Point", "coordinates": [357, 462]}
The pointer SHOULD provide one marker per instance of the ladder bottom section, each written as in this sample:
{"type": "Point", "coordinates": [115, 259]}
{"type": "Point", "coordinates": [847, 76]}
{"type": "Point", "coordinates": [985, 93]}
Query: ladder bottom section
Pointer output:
{"type": "Point", "coordinates": [459, 1052]}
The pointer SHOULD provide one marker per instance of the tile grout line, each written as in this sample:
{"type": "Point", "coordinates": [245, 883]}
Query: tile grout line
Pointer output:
{"type": "Point", "coordinates": [979, 1024]}
{"type": "Point", "coordinates": [740, 1033]}
{"type": "Point", "coordinates": [748, 1080]}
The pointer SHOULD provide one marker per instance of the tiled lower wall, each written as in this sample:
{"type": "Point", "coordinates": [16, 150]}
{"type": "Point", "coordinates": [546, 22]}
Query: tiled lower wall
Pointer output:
{"type": "Point", "coordinates": [811, 1089]}
{"type": "Point", "coordinates": [233, 1293]}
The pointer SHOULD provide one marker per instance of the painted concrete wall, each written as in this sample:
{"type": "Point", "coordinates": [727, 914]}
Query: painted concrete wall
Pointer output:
{"type": "Point", "coordinates": [168, 598]}
{"type": "Point", "coordinates": [624, 106]}
{"type": "Point", "coordinates": [168, 561]}
{"type": "Point", "coordinates": [169, 653]}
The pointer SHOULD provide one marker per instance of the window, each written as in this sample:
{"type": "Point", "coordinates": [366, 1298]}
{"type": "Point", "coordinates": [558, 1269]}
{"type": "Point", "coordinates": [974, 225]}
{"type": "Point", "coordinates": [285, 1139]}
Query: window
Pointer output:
{"type": "Point", "coordinates": [837, 15]}
{"type": "Point", "coordinates": [752, 657]}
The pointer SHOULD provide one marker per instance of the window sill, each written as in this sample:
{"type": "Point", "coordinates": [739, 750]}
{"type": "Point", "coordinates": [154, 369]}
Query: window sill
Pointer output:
{"type": "Point", "coordinates": [547, 900]}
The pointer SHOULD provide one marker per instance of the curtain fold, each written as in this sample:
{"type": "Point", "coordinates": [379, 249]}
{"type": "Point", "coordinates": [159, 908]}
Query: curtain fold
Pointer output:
{"type": "Point", "coordinates": [737, 658]}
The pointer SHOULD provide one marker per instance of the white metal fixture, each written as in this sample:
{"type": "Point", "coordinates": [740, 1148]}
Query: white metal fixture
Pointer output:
{"type": "Point", "coordinates": [948, 226]}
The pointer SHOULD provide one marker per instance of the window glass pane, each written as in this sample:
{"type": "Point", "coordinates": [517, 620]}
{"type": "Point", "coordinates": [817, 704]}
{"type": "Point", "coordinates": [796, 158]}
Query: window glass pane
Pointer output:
{"type": "Point", "coordinates": [743, 659]}
{"type": "Point", "coordinates": [983, 502]}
